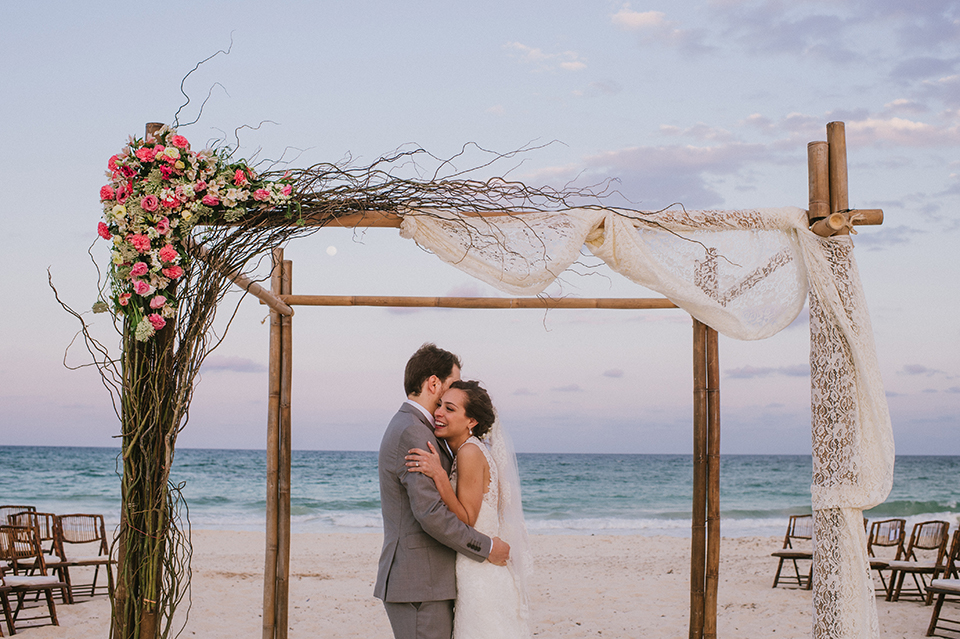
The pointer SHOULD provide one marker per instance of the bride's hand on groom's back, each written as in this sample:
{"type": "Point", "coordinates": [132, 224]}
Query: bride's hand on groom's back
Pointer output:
{"type": "Point", "coordinates": [421, 461]}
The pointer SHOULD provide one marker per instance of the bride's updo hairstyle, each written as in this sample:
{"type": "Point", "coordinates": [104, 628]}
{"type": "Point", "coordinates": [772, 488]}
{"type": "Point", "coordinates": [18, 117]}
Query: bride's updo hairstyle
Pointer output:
{"type": "Point", "coordinates": [478, 406]}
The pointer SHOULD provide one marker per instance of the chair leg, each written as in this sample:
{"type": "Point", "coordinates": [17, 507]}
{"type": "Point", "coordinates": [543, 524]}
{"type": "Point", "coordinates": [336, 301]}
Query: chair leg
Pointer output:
{"type": "Point", "coordinates": [810, 577]}
{"type": "Point", "coordinates": [7, 614]}
{"type": "Point", "coordinates": [776, 577]}
{"type": "Point", "coordinates": [896, 583]}
{"type": "Point", "coordinates": [936, 615]}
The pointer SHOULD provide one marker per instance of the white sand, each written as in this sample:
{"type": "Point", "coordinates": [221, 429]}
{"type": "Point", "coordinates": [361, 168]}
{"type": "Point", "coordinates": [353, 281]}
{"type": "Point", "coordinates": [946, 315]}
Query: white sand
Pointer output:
{"type": "Point", "coordinates": [585, 586]}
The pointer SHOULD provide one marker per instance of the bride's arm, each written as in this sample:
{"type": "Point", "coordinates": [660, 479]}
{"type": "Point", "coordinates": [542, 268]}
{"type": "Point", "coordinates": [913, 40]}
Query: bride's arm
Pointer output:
{"type": "Point", "coordinates": [465, 502]}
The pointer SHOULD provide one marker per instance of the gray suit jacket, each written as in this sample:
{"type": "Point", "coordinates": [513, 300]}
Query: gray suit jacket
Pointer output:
{"type": "Point", "coordinates": [421, 537]}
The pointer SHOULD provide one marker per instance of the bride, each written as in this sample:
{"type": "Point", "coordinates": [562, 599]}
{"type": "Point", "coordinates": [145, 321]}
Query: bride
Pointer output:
{"type": "Point", "coordinates": [483, 490]}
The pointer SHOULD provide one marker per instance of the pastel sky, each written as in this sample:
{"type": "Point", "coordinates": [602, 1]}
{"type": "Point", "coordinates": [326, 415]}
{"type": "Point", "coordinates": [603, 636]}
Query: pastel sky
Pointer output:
{"type": "Point", "coordinates": [710, 104]}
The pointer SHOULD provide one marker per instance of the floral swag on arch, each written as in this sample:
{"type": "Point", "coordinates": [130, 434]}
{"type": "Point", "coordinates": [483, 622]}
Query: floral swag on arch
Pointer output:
{"type": "Point", "coordinates": [745, 273]}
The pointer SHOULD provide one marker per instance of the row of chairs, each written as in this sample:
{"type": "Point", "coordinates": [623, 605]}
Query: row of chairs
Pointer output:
{"type": "Point", "coordinates": [37, 551]}
{"type": "Point", "coordinates": [926, 557]}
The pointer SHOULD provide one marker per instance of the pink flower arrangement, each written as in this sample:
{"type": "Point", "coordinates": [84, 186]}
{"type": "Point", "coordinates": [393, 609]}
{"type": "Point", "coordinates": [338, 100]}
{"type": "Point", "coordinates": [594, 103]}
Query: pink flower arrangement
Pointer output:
{"type": "Point", "coordinates": [173, 272]}
{"type": "Point", "coordinates": [168, 253]}
{"type": "Point", "coordinates": [139, 242]}
{"type": "Point", "coordinates": [175, 189]}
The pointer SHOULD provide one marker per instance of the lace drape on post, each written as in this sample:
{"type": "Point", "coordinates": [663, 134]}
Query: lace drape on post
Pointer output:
{"type": "Point", "coordinates": [745, 273]}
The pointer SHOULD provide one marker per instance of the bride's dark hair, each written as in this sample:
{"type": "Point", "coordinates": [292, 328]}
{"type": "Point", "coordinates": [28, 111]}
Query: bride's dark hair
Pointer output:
{"type": "Point", "coordinates": [478, 406]}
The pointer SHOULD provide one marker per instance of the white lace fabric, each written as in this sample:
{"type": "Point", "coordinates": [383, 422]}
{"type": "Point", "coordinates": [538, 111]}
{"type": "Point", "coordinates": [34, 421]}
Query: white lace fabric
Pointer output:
{"type": "Point", "coordinates": [745, 273]}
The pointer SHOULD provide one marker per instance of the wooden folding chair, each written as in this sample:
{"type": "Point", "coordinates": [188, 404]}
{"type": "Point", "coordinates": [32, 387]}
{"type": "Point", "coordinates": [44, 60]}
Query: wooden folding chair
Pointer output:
{"type": "Point", "coordinates": [6, 511]}
{"type": "Point", "coordinates": [929, 539]}
{"type": "Point", "coordinates": [82, 542]}
{"type": "Point", "coordinates": [21, 543]}
{"type": "Point", "coordinates": [5, 591]}
{"type": "Point", "coordinates": [799, 531]}
{"type": "Point", "coordinates": [887, 533]}
{"type": "Point", "coordinates": [950, 585]}
{"type": "Point", "coordinates": [45, 527]}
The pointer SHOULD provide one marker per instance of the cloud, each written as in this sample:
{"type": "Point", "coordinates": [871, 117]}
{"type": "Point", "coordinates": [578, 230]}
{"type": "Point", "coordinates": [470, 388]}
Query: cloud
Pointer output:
{"type": "Point", "coordinates": [753, 372]}
{"type": "Point", "coordinates": [524, 392]}
{"type": "Point", "coordinates": [886, 237]}
{"type": "Point", "coordinates": [569, 388]}
{"type": "Point", "coordinates": [953, 389]}
{"type": "Point", "coordinates": [653, 27]}
{"type": "Point", "coordinates": [616, 373]}
{"type": "Point", "coordinates": [919, 369]}
{"type": "Point", "coordinates": [216, 364]}
{"type": "Point", "coordinates": [541, 61]}
{"type": "Point", "coordinates": [901, 132]}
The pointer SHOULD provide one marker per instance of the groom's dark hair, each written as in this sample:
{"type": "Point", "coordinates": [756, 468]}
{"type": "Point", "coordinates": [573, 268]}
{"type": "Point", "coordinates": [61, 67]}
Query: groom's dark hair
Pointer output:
{"type": "Point", "coordinates": [428, 360]}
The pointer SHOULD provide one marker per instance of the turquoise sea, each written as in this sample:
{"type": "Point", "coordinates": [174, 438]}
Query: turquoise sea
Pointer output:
{"type": "Point", "coordinates": [563, 493]}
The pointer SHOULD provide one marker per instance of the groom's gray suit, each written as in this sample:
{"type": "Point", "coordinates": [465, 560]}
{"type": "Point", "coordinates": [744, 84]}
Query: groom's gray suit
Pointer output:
{"type": "Point", "coordinates": [421, 537]}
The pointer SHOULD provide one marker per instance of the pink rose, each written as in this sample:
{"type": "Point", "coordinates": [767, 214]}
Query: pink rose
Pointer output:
{"type": "Point", "coordinates": [287, 189]}
{"type": "Point", "coordinates": [138, 269]}
{"type": "Point", "coordinates": [163, 226]}
{"type": "Point", "coordinates": [179, 141]}
{"type": "Point", "coordinates": [112, 162]}
{"type": "Point", "coordinates": [146, 154]}
{"type": "Point", "coordinates": [128, 171]}
{"type": "Point", "coordinates": [210, 200]}
{"type": "Point", "coordinates": [158, 302]}
{"type": "Point", "coordinates": [166, 171]}
{"type": "Point", "coordinates": [173, 272]}
{"type": "Point", "coordinates": [156, 321]}
{"type": "Point", "coordinates": [142, 288]}
{"type": "Point", "coordinates": [107, 193]}
{"type": "Point", "coordinates": [168, 253]}
{"type": "Point", "coordinates": [170, 200]}
{"type": "Point", "coordinates": [103, 231]}
{"type": "Point", "coordinates": [239, 178]}
{"type": "Point", "coordinates": [199, 186]}
{"type": "Point", "coordinates": [261, 195]}
{"type": "Point", "coordinates": [124, 192]}
{"type": "Point", "coordinates": [149, 203]}
{"type": "Point", "coordinates": [124, 299]}
{"type": "Point", "coordinates": [140, 242]}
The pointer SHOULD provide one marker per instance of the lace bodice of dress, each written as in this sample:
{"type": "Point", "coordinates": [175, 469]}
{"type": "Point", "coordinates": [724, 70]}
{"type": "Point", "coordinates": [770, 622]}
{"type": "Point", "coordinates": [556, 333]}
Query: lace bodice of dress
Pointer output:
{"type": "Point", "coordinates": [488, 520]}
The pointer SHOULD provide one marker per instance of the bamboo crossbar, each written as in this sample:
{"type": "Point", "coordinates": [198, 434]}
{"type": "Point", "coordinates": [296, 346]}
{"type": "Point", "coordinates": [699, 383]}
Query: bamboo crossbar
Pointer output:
{"type": "Point", "coordinates": [478, 302]}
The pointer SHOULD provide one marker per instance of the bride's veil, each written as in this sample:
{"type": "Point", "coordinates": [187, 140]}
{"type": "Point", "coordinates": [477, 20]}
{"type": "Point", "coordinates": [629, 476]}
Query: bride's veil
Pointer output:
{"type": "Point", "coordinates": [513, 528]}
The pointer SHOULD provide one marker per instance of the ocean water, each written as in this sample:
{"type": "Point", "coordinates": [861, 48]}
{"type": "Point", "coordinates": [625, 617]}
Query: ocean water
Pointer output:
{"type": "Point", "coordinates": [563, 493]}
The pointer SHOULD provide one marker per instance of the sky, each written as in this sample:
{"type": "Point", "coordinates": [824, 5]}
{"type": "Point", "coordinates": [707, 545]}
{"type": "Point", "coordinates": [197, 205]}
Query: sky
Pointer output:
{"type": "Point", "coordinates": [710, 104]}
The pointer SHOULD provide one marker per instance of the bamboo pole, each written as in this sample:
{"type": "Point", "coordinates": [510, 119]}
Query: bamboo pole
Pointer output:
{"type": "Point", "coordinates": [273, 458]}
{"type": "Point", "coordinates": [818, 174]}
{"type": "Point", "coordinates": [478, 302]}
{"type": "Point", "coordinates": [239, 279]}
{"type": "Point", "coordinates": [283, 514]}
{"type": "Point", "coordinates": [713, 484]}
{"type": "Point", "coordinates": [837, 147]}
{"type": "Point", "coordinates": [698, 527]}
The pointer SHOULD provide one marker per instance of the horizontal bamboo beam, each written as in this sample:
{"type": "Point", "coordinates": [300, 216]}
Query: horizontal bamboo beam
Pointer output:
{"type": "Point", "coordinates": [835, 222]}
{"type": "Point", "coordinates": [478, 302]}
{"type": "Point", "coordinates": [386, 219]}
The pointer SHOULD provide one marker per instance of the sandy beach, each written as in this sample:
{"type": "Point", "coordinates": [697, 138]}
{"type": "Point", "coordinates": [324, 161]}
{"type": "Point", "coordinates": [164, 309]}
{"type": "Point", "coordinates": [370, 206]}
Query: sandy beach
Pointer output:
{"type": "Point", "coordinates": [585, 586]}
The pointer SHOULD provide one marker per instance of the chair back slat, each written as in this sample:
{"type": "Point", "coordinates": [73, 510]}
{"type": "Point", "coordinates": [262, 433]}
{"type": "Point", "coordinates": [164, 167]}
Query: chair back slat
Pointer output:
{"type": "Point", "coordinates": [82, 529]}
{"type": "Point", "coordinates": [929, 536]}
{"type": "Point", "coordinates": [888, 533]}
{"type": "Point", "coordinates": [6, 511]}
{"type": "Point", "coordinates": [21, 547]}
{"type": "Point", "coordinates": [800, 527]}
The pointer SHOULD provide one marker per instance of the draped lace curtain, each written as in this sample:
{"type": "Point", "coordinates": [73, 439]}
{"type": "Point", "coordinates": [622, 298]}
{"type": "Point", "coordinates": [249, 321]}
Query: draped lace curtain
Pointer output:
{"type": "Point", "coordinates": [745, 273]}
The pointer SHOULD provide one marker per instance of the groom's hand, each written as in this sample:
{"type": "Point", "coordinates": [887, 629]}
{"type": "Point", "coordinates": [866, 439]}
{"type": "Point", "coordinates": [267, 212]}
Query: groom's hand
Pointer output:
{"type": "Point", "coordinates": [499, 552]}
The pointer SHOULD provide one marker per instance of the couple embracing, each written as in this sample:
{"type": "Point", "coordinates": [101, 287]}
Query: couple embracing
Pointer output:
{"type": "Point", "coordinates": [455, 556]}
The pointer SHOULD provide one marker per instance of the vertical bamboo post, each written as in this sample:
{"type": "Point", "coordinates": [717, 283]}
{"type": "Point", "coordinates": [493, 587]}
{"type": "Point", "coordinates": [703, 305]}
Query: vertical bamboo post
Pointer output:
{"type": "Point", "coordinates": [837, 146]}
{"type": "Point", "coordinates": [713, 484]}
{"type": "Point", "coordinates": [283, 515]}
{"type": "Point", "coordinates": [698, 524]}
{"type": "Point", "coordinates": [273, 457]}
{"type": "Point", "coordinates": [818, 173]}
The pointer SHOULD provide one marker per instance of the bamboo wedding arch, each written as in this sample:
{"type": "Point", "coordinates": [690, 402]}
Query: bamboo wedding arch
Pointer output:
{"type": "Point", "coordinates": [828, 214]}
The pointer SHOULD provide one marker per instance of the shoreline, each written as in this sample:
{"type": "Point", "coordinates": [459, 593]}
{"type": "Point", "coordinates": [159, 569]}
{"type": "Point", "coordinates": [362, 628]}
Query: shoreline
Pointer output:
{"type": "Point", "coordinates": [625, 586]}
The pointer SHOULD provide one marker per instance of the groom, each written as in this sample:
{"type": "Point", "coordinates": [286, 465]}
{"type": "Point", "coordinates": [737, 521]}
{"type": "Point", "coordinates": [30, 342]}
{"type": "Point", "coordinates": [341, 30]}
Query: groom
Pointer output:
{"type": "Point", "coordinates": [421, 538]}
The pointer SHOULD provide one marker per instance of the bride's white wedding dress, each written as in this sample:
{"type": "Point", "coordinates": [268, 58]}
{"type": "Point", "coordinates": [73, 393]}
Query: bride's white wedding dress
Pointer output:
{"type": "Point", "coordinates": [489, 604]}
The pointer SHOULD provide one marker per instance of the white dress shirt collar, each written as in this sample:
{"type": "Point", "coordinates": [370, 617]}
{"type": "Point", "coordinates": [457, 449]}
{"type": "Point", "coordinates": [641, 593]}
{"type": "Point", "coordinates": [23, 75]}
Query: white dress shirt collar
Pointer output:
{"type": "Point", "coordinates": [423, 410]}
